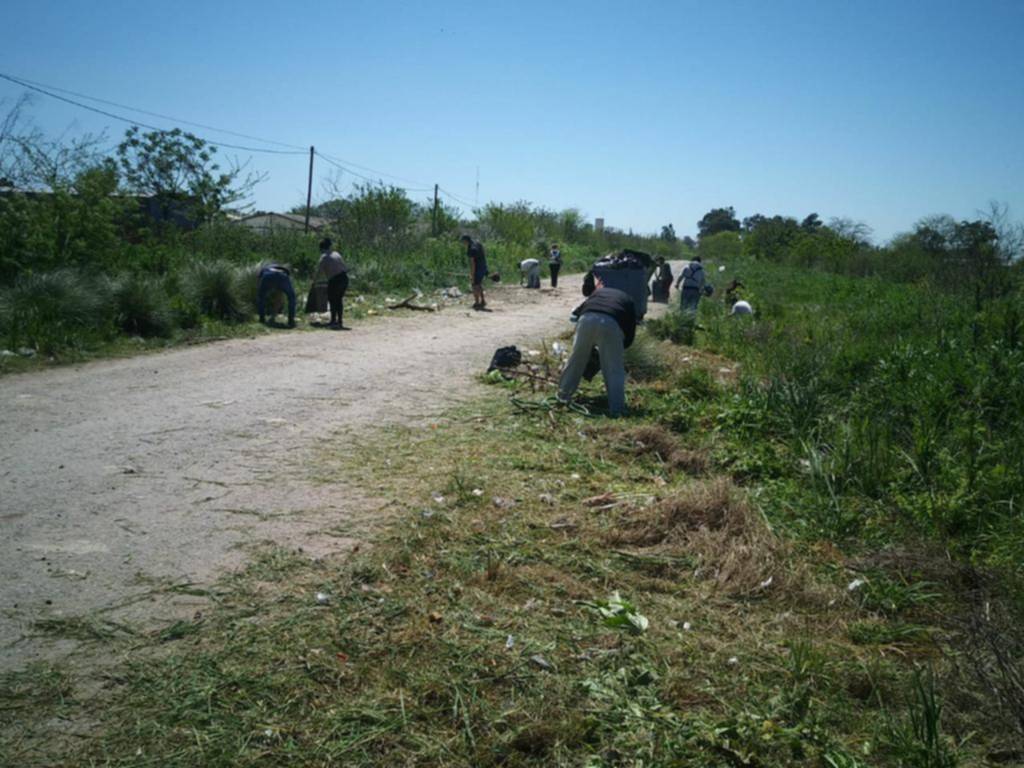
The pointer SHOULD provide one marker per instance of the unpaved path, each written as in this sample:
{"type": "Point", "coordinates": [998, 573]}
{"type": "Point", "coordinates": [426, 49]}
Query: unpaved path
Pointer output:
{"type": "Point", "coordinates": [118, 475]}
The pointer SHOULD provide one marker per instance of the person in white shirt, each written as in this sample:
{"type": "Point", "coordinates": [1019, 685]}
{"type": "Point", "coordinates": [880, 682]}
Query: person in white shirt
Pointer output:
{"type": "Point", "coordinates": [530, 269]}
{"type": "Point", "coordinates": [555, 264]}
{"type": "Point", "coordinates": [333, 267]}
{"type": "Point", "coordinates": [691, 285]}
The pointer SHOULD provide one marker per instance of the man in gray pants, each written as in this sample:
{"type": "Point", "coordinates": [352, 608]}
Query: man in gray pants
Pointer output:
{"type": "Point", "coordinates": [691, 285]}
{"type": "Point", "coordinates": [607, 320]}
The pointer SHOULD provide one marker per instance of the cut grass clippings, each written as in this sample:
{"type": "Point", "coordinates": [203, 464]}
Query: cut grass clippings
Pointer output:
{"type": "Point", "coordinates": [555, 590]}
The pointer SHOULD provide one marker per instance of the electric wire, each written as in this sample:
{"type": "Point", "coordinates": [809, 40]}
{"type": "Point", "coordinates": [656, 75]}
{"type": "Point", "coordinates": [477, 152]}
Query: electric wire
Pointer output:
{"type": "Point", "coordinates": [140, 123]}
{"type": "Point", "coordinates": [26, 82]}
{"type": "Point", "coordinates": [343, 165]}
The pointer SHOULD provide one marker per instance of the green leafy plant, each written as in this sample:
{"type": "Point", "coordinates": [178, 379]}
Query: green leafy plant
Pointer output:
{"type": "Point", "coordinates": [619, 613]}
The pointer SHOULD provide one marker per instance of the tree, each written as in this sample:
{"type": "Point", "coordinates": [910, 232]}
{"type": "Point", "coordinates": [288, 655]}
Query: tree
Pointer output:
{"type": "Point", "coordinates": [718, 220]}
{"type": "Point", "coordinates": [771, 238]}
{"type": "Point", "coordinates": [179, 170]}
{"type": "Point", "coordinates": [857, 231]}
{"type": "Point", "coordinates": [811, 223]}
{"type": "Point", "coordinates": [668, 233]}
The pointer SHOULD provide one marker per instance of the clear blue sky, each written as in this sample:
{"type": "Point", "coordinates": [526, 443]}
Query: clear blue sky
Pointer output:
{"type": "Point", "coordinates": [644, 112]}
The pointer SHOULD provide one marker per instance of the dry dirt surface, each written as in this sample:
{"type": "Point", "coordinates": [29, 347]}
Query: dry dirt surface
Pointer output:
{"type": "Point", "coordinates": [123, 476]}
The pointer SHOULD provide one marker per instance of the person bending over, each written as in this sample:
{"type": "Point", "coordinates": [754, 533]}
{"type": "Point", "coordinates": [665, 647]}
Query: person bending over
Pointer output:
{"type": "Point", "coordinates": [275, 277]}
{"type": "Point", "coordinates": [607, 320]}
{"type": "Point", "coordinates": [333, 268]}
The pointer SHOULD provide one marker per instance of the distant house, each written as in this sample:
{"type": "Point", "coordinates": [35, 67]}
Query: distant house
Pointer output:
{"type": "Point", "coordinates": [264, 222]}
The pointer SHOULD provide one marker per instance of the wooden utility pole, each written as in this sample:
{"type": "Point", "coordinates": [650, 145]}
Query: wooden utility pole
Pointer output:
{"type": "Point", "coordinates": [433, 224]}
{"type": "Point", "coordinates": [309, 188]}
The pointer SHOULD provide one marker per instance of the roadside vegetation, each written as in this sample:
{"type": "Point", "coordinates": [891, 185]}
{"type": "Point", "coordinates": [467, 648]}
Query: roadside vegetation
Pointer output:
{"type": "Point", "coordinates": [103, 252]}
{"type": "Point", "coordinates": [802, 547]}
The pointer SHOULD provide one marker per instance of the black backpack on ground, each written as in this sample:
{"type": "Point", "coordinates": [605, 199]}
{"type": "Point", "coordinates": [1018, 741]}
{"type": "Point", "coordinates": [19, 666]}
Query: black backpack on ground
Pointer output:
{"type": "Point", "coordinates": [505, 357]}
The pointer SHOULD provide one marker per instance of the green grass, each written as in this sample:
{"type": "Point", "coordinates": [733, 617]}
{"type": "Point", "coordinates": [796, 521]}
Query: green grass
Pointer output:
{"type": "Point", "coordinates": [806, 508]}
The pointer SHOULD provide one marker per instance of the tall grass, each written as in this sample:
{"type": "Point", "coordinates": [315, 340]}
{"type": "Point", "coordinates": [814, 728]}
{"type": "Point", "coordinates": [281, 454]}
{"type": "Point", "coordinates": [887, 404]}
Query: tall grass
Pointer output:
{"type": "Point", "coordinates": [215, 288]}
{"type": "Point", "coordinates": [49, 312]}
{"type": "Point", "coordinates": [142, 306]}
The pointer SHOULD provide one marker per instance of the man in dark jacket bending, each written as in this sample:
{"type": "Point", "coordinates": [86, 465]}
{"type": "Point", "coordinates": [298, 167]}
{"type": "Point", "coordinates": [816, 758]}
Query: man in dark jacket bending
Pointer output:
{"type": "Point", "coordinates": [607, 320]}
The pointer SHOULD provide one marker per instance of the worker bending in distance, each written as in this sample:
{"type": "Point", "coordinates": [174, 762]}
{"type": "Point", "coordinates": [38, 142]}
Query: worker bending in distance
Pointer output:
{"type": "Point", "coordinates": [530, 270]}
{"type": "Point", "coordinates": [691, 285]}
{"type": "Point", "coordinates": [477, 270]}
{"type": "Point", "coordinates": [275, 277]}
{"type": "Point", "coordinates": [607, 321]}
{"type": "Point", "coordinates": [332, 267]}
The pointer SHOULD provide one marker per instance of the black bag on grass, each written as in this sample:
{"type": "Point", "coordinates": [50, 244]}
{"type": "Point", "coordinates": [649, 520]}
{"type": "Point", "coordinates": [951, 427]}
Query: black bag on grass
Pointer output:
{"type": "Point", "coordinates": [505, 357]}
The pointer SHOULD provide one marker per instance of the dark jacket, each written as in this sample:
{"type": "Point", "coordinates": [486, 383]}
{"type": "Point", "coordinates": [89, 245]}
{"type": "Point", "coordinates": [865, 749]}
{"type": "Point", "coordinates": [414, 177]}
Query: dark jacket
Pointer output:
{"type": "Point", "coordinates": [614, 303]}
{"type": "Point", "coordinates": [476, 252]}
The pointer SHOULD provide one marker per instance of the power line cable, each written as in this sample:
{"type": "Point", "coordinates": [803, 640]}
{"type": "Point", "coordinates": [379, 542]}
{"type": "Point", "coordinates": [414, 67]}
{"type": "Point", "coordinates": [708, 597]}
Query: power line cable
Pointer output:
{"type": "Point", "coordinates": [345, 168]}
{"type": "Point", "coordinates": [344, 165]}
{"type": "Point", "coordinates": [98, 100]}
{"type": "Point", "coordinates": [140, 123]}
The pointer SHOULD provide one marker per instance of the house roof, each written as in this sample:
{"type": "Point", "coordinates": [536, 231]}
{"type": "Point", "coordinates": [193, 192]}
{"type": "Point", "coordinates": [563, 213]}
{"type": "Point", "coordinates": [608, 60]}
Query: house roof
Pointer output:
{"type": "Point", "coordinates": [315, 222]}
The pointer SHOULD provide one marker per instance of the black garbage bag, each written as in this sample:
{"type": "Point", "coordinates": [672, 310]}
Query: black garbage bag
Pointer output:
{"type": "Point", "coordinates": [316, 301]}
{"type": "Point", "coordinates": [505, 357]}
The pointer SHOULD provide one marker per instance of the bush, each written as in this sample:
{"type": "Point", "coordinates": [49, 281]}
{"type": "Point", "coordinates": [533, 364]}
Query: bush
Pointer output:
{"type": "Point", "coordinates": [215, 288]}
{"type": "Point", "coordinates": [52, 311]}
{"type": "Point", "coordinates": [674, 326]}
{"type": "Point", "coordinates": [142, 306]}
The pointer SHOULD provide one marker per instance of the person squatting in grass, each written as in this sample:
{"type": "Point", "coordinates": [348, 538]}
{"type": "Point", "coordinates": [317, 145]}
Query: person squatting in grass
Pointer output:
{"type": "Point", "coordinates": [275, 277]}
{"type": "Point", "coordinates": [333, 267]}
{"type": "Point", "coordinates": [691, 285]}
{"type": "Point", "coordinates": [477, 269]}
{"type": "Point", "coordinates": [555, 264]}
{"type": "Point", "coordinates": [607, 320]}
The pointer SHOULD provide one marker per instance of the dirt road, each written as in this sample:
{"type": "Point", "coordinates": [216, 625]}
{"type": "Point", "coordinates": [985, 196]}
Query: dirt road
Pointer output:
{"type": "Point", "coordinates": [116, 476]}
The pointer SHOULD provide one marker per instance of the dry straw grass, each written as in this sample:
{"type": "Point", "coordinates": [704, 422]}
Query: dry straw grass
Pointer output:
{"type": "Point", "coordinates": [711, 522]}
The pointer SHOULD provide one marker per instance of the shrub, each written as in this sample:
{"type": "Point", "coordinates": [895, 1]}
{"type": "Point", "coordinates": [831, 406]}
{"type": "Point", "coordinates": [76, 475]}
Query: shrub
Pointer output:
{"type": "Point", "coordinates": [674, 325]}
{"type": "Point", "coordinates": [141, 305]}
{"type": "Point", "coordinates": [52, 311]}
{"type": "Point", "coordinates": [214, 287]}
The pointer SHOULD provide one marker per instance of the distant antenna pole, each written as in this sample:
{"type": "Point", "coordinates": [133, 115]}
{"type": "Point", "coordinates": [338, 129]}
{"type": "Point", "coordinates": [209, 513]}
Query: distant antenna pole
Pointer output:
{"type": "Point", "coordinates": [476, 197]}
{"type": "Point", "coordinates": [433, 221]}
{"type": "Point", "coordinates": [309, 187]}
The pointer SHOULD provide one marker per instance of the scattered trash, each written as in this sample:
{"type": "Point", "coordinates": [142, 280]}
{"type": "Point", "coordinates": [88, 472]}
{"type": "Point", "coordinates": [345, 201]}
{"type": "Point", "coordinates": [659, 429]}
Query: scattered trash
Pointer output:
{"type": "Point", "coordinates": [342, 657]}
{"type": "Point", "coordinates": [69, 574]}
{"type": "Point", "coordinates": [530, 604]}
{"type": "Point", "coordinates": [510, 641]}
{"type": "Point", "coordinates": [268, 733]}
{"type": "Point", "coordinates": [558, 348]}
{"type": "Point", "coordinates": [539, 661]}
{"type": "Point", "coordinates": [503, 503]}
{"type": "Point", "coordinates": [733, 660]}
{"type": "Point", "coordinates": [360, 299]}
{"type": "Point", "coordinates": [856, 584]}
{"type": "Point", "coordinates": [451, 293]}
{"type": "Point", "coordinates": [575, 476]}
{"type": "Point", "coordinates": [128, 470]}
{"type": "Point", "coordinates": [766, 583]}
{"type": "Point", "coordinates": [478, 492]}
{"type": "Point", "coordinates": [562, 524]}
{"type": "Point", "coordinates": [604, 499]}
{"type": "Point", "coordinates": [26, 352]}
{"type": "Point", "coordinates": [322, 598]}
{"type": "Point", "coordinates": [435, 617]}
{"type": "Point", "coordinates": [547, 498]}
{"type": "Point", "coordinates": [619, 614]}
{"type": "Point", "coordinates": [7, 353]}
{"type": "Point", "coordinates": [722, 268]}
{"type": "Point", "coordinates": [687, 626]}
{"type": "Point", "coordinates": [533, 352]}
{"type": "Point", "coordinates": [426, 514]}
{"type": "Point", "coordinates": [438, 498]}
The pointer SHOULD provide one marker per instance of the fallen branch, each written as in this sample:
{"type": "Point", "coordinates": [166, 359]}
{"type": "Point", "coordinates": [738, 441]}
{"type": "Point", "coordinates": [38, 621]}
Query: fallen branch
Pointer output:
{"type": "Point", "coordinates": [407, 304]}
